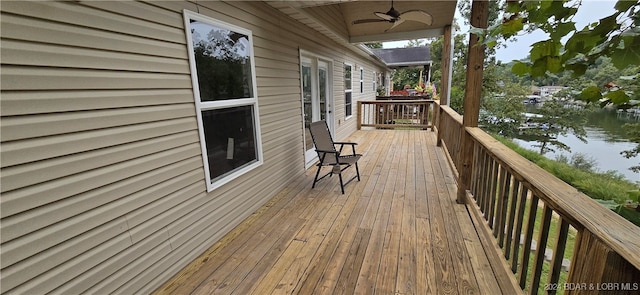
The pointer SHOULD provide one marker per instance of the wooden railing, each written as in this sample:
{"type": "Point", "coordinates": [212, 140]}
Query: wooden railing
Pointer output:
{"type": "Point", "coordinates": [451, 122]}
{"type": "Point", "coordinates": [538, 226]}
{"type": "Point", "coordinates": [395, 114]}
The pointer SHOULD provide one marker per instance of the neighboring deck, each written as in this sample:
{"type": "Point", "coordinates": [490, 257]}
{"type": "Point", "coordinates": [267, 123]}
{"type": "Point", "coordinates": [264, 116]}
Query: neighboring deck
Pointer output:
{"type": "Point", "coordinates": [397, 231]}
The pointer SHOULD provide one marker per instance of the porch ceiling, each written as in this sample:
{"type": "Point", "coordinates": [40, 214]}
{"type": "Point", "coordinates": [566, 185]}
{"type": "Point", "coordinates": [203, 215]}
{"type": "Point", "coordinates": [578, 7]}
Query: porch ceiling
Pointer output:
{"type": "Point", "coordinates": [334, 18]}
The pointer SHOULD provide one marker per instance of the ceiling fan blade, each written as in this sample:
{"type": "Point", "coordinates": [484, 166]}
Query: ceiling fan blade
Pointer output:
{"type": "Point", "coordinates": [385, 16]}
{"type": "Point", "coordinates": [395, 24]}
{"type": "Point", "coordinates": [418, 16]}
{"type": "Point", "coordinates": [364, 21]}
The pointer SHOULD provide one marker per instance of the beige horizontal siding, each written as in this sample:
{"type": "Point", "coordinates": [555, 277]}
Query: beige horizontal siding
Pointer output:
{"type": "Point", "coordinates": [30, 150]}
{"type": "Point", "coordinates": [102, 177]}
{"type": "Point", "coordinates": [36, 102]}
{"type": "Point", "coordinates": [145, 11]}
{"type": "Point", "coordinates": [17, 249]}
{"type": "Point", "coordinates": [33, 78]}
{"type": "Point", "coordinates": [82, 16]}
{"type": "Point", "coordinates": [60, 253]}
{"type": "Point", "coordinates": [62, 56]}
{"type": "Point", "coordinates": [32, 174]}
{"type": "Point", "coordinates": [21, 28]}
{"type": "Point", "coordinates": [16, 128]}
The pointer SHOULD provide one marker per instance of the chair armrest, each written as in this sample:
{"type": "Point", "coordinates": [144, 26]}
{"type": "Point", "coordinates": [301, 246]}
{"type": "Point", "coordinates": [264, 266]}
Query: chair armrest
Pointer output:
{"type": "Point", "coordinates": [342, 144]}
{"type": "Point", "coordinates": [327, 151]}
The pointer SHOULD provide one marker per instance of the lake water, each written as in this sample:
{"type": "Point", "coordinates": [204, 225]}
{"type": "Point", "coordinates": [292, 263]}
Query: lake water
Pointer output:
{"type": "Point", "coordinates": [605, 140]}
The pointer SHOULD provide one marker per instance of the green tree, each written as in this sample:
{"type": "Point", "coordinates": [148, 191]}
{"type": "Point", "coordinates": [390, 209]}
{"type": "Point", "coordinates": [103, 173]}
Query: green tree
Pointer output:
{"type": "Point", "coordinates": [376, 45]}
{"type": "Point", "coordinates": [502, 113]}
{"type": "Point", "coordinates": [616, 37]}
{"type": "Point", "coordinates": [633, 130]}
{"type": "Point", "coordinates": [555, 120]}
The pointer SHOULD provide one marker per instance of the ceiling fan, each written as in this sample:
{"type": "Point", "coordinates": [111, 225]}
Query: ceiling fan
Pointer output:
{"type": "Point", "coordinates": [396, 18]}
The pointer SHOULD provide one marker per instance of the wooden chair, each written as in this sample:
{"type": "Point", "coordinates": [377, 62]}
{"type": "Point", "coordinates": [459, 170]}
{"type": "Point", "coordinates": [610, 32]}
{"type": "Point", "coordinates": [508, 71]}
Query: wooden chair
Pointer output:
{"type": "Point", "coordinates": [328, 155]}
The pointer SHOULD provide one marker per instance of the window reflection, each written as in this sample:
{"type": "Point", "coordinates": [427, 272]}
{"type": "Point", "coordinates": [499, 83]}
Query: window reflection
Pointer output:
{"type": "Point", "coordinates": [230, 139]}
{"type": "Point", "coordinates": [222, 61]}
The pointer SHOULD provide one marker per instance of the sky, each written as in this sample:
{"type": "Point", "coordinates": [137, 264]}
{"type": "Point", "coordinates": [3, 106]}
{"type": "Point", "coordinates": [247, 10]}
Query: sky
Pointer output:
{"type": "Point", "coordinates": [590, 11]}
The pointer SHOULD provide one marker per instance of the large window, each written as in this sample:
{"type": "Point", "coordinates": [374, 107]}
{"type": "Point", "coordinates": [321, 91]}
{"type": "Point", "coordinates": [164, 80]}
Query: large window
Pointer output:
{"type": "Point", "coordinates": [348, 109]}
{"type": "Point", "coordinates": [223, 77]}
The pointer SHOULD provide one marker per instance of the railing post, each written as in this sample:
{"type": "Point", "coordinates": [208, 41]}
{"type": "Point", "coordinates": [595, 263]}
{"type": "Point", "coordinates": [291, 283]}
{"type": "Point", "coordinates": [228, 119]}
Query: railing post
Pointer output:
{"type": "Point", "coordinates": [598, 269]}
{"type": "Point", "coordinates": [359, 115]}
{"type": "Point", "coordinates": [473, 90]}
{"type": "Point", "coordinates": [447, 61]}
{"type": "Point", "coordinates": [438, 120]}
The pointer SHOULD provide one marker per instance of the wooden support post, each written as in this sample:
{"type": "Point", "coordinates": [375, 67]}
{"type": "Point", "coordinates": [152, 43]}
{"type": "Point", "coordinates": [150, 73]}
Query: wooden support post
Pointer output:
{"type": "Point", "coordinates": [596, 269]}
{"type": "Point", "coordinates": [473, 90]}
{"type": "Point", "coordinates": [446, 68]}
{"type": "Point", "coordinates": [445, 87]}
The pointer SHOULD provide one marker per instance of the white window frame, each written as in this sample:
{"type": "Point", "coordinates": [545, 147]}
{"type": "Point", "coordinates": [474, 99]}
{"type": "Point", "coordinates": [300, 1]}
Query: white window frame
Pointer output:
{"type": "Point", "coordinates": [361, 80]}
{"type": "Point", "coordinates": [348, 90]}
{"type": "Point", "coordinates": [375, 83]}
{"type": "Point", "coordinates": [222, 104]}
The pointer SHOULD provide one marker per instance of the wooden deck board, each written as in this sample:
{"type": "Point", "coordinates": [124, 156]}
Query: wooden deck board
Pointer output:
{"type": "Point", "coordinates": [397, 231]}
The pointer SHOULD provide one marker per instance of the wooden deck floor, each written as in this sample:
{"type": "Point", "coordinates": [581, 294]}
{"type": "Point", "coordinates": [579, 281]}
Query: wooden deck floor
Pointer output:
{"type": "Point", "coordinates": [397, 231]}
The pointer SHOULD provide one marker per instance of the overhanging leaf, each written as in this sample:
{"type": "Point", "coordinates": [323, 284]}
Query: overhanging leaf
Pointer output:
{"type": "Point", "coordinates": [582, 42]}
{"type": "Point", "coordinates": [512, 27]}
{"type": "Point", "coordinates": [478, 32]}
{"type": "Point", "coordinates": [539, 68]}
{"type": "Point", "coordinates": [553, 64]}
{"type": "Point", "coordinates": [520, 69]}
{"type": "Point", "coordinates": [629, 54]}
{"type": "Point", "coordinates": [545, 48]}
{"type": "Point", "coordinates": [562, 30]}
{"type": "Point", "coordinates": [617, 97]}
{"type": "Point", "coordinates": [578, 69]}
{"type": "Point", "coordinates": [624, 5]}
{"type": "Point", "coordinates": [607, 25]}
{"type": "Point", "coordinates": [591, 94]}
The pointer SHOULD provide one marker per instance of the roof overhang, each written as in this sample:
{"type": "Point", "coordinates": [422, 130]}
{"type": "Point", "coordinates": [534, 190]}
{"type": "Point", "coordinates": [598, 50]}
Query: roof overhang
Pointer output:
{"type": "Point", "coordinates": [404, 57]}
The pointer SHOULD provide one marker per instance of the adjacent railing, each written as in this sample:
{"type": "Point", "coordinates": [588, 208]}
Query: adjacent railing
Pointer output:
{"type": "Point", "coordinates": [451, 122]}
{"type": "Point", "coordinates": [552, 237]}
{"type": "Point", "coordinates": [396, 114]}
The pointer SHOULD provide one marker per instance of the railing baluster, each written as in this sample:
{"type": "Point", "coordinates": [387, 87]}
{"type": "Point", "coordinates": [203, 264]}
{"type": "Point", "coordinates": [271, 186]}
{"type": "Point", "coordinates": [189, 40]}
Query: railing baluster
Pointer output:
{"type": "Point", "coordinates": [484, 184]}
{"type": "Point", "coordinates": [543, 236]}
{"type": "Point", "coordinates": [522, 202]}
{"type": "Point", "coordinates": [528, 237]}
{"type": "Point", "coordinates": [476, 172]}
{"type": "Point", "coordinates": [515, 197]}
{"type": "Point", "coordinates": [558, 254]}
{"type": "Point", "coordinates": [506, 199]}
{"type": "Point", "coordinates": [501, 196]}
{"type": "Point", "coordinates": [492, 190]}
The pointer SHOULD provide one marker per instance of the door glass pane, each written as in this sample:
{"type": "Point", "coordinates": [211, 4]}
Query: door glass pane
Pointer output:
{"type": "Point", "coordinates": [322, 77]}
{"type": "Point", "coordinates": [308, 107]}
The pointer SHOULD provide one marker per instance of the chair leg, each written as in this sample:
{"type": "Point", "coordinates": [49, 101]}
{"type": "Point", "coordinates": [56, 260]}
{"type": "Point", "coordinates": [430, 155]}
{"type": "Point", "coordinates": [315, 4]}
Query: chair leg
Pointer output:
{"type": "Point", "coordinates": [315, 179]}
{"type": "Point", "coordinates": [341, 183]}
{"type": "Point", "coordinates": [357, 171]}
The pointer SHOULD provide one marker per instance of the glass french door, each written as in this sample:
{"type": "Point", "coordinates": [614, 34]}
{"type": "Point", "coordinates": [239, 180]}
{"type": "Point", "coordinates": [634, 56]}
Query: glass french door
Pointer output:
{"type": "Point", "coordinates": [316, 100]}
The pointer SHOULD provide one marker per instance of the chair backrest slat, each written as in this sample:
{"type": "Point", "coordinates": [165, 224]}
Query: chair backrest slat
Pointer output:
{"type": "Point", "coordinates": [321, 136]}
